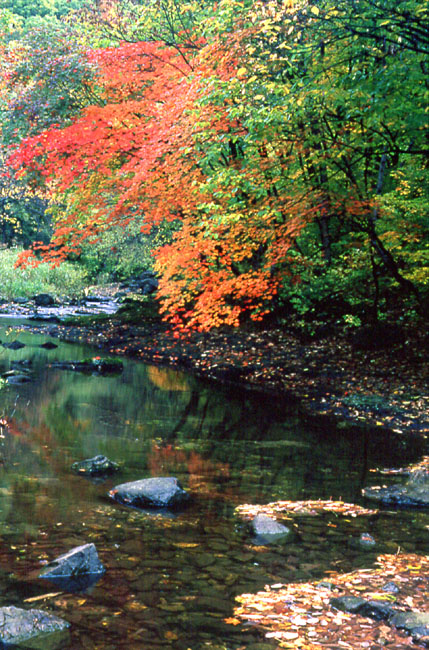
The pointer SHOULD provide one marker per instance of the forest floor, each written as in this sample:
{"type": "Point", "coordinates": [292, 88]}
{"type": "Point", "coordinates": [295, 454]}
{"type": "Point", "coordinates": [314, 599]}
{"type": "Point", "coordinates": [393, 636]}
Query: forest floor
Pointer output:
{"type": "Point", "coordinates": [386, 387]}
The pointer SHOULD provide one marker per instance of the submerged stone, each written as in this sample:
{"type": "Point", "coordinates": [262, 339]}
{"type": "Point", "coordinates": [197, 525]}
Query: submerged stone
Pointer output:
{"type": "Point", "coordinates": [161, 492]}
{"type": "Point", "coordinates": [365, 542]}
{"type": "Point", "coordinates": [75, 584]}
{"type": "Point", "coordinates": [17, 379]}
{"type": "Point", "coordinates": [268, 530]}
{"type": "Point", "coordinates": [22, 364]}
{"type": "Point", "coordinates": [82, 560]}
{"type": "Point", "coordinates": [14, 345]}
{"type": "Point", "coordinates": [97, 466]}
{"type": "Point", "coordinates": [94, 366]}
{"type": "Point", "coordinates": [404, 496]}
{"type": "Point", "coordinates": [31, 629]}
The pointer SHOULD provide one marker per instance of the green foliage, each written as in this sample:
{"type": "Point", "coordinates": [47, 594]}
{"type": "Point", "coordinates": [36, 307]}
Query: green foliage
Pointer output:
{"type": "Point", "coordinates": [43, 8]}
{"type": "Point", "coordinates": [23, 219]}
{"type": "Point", "coordinates": [174, 22]}
{"type": "Point", "coordinates": [10, 23]}
{"type": "Point", "coordinates": [68, 280]}
{"type": "Point", "coordinates": [122, 252]}
{"type": "Point", "coordinates": [49, 82]}
{"type": "Point", "coordinates": [404, 221]}
{"type": "Point", "coordinates": [23, 216]}
{"type": "Point", "coordinates": [318, 291]}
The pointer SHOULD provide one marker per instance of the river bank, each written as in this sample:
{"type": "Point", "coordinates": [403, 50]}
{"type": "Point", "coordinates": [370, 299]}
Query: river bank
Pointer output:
{"type": "Point", "coordinates": [330, 376]}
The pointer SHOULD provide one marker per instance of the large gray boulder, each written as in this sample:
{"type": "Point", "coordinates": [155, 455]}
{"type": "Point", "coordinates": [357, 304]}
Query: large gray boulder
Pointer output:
{"type": "Point", "coordinates": [82, 560]}
{"type": "Point", "coordinates": [31, 629]}
{"type": "Point", "coordinates": [148, 286]}
{"type": "Point", "coordinates": [160, 492]}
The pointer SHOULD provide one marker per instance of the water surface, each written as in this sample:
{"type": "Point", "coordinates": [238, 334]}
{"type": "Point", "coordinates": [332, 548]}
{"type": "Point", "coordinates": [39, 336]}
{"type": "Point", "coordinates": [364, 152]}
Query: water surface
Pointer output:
{"type": "Point", "coordinates": [171, 579]}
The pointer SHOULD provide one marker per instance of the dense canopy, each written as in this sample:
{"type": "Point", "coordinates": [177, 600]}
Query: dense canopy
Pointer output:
{"type": "Point", "coordinates": [278, 146]}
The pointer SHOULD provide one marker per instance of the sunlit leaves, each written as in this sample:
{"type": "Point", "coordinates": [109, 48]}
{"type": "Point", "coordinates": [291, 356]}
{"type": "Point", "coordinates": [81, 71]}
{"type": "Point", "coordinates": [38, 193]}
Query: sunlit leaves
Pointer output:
{"type": "Point", "coordinates": [304, 508]}
{"type": "Point", "coordinates": [300, 615]}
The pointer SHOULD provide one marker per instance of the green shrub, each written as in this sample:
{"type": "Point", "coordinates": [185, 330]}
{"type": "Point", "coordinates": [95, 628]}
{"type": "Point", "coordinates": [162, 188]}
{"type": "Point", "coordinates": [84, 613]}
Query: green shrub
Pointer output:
{"type": "Point", "coordinates": [122, 252]}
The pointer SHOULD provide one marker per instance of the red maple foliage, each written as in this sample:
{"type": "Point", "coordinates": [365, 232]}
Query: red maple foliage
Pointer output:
{"type": "Point", "coordinates": [142, 152]}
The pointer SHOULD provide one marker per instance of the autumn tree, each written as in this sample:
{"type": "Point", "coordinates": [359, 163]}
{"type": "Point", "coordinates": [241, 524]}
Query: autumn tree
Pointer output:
{"type": "Point", "coordinates": [272, 135]}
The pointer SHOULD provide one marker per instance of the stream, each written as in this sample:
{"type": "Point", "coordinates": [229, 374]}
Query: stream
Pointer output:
{"type": "Point", "coordinates": [171, 579]}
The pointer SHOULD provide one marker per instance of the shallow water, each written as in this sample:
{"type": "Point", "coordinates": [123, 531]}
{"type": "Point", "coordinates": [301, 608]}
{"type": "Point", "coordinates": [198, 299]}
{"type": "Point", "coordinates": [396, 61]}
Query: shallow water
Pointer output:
{"type": "Point", "coordinates": [171, 579]}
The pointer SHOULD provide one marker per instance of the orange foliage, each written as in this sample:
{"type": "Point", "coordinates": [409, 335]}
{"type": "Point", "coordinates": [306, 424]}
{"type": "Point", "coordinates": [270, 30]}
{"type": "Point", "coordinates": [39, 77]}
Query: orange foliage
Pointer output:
{"type": "Point", "coordinates": [141, 155]}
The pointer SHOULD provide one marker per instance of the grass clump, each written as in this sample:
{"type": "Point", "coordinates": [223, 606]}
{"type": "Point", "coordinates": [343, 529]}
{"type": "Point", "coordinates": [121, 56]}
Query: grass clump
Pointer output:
{"type": "Point", "coordinates": [65, 281]}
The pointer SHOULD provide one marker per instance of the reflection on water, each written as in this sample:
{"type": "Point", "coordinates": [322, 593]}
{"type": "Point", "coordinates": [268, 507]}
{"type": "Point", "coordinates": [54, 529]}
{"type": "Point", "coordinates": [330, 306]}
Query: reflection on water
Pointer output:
{"type": "Point", "coordinates": [171, 580]}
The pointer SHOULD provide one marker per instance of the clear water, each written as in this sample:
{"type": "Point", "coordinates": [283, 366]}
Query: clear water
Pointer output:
{"type": "Point", "coordinates": [171, 581]}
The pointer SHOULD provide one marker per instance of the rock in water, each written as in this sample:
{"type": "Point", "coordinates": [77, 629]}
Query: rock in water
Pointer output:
{"type": "Point", "coordinates": [161, 492]}
{"type": "Point", "coordinates": [349, 604]}
{"type": "Point", "coordinates": [17, 379]}
{"type": "Point", "coordinates": [14, 345]}
{"type": "Point", "coordinates": [82, 560]}
{"type": "Point", "coordinates": [43, 300]}
{"type": "Point", "coordinates": [409, 495]}
{"type": "Point", "coordinates": [97, 466]}
{"type": "Point", "coordinates": [49, 345]}
{"type": "Point", "coordinates": [414, 493]}
{"type": "Point", "coordinates": [365, 542]}
{"type": "Point", "coordinates": [31, 628]}
{"type": "Point", "coordinates": [268, 530]}
{"type": "Point", "coordinates": [95, 366]}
